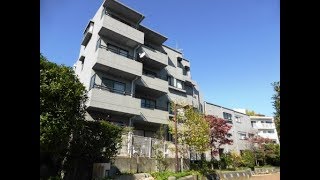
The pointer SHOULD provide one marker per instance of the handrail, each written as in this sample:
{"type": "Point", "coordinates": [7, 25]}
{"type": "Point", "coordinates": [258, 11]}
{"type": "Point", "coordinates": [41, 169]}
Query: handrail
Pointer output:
{"type": "Point", "coordinates": [111, 89]}
{"type": "Point", "coordinates": [116, 51]}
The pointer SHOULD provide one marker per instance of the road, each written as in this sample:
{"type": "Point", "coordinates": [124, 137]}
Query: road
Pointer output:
{"type": "Point", "coordinates": [274, 176]}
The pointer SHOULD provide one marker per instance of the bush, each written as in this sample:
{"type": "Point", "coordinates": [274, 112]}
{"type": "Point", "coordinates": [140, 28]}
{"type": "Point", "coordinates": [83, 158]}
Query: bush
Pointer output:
{"type": "Point", "coordinates": [164, 175]}
{"type": "Point", "coordinates": [273, 154]}
{"type": "Point", "coordinates": [248, 158]}
{"type": "Point", "coordinates": [236, 159]}
{"type": "Point", "coordinates": [225, 160]}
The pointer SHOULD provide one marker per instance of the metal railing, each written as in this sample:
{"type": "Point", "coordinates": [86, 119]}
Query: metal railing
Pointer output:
{"type": "Point", "coordinates": [149, 106]}
{"type": "Point", "coordinates": [128, 93]}
{"type": "Point", "coordinates": [117, 51]}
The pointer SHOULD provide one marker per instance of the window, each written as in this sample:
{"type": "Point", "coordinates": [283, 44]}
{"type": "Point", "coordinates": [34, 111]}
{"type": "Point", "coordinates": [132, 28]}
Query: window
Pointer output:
{"type": "Point", "coordinates": [179, 84]}
{"type": "Point", "coordinates": [238, 119]}
{"type": "Point", "coordinates": [270, 131]}
{"type": "Point", "coordinates": [148, 103]}
{"type": "Point", "coordinates": [149, 73]}
{"type": "Point", "coordinates": [82, 64]}
{"type": "Point", "coordinates": [268, 122]}
{"type": "Point", "coordinates": [253, 123]}
{"type": "Point", "coordinates": [227, 116]}
{"type": "Point", "coordinates": [229, 135]}
{"type": "Point", "coordinates": [242, 135]}
{"type": "Point", "coordinates": [98, 43]}
{"type": "Point", "coordinates": [170, 80]}
{"type": "Point", "coordinates": [169, 107]}
{"type": "Point", "coordinates": [118, 50]}
{"type": "Point", "coordinates": [92, 81]}
{"type": "Point", "coordinates": [251, 135]}
{"type": "Point", "coordinates": [114, 86]}
{"type": "Point", "coordinates": [264, 131]}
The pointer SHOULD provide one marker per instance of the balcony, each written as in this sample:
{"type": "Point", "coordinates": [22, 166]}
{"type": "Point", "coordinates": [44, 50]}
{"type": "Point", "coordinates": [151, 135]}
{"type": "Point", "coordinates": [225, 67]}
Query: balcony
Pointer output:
{"type": "Point", "coordinates": [155, 86]}
{"type": "Point", "coordinates": [263, 126]}
{"type": "Point", "coordinates": [113, 62]}
{"type": "Point", "coordinates": [106, 99]}
{"type": "Point", "coordinates": [120, 32]}
{"type": "Point", "coordinates": [87, 34]}
{"type": "Point", "coordinates": [153, 58]}
{"type": "Point", "coordinates": [154, 114]}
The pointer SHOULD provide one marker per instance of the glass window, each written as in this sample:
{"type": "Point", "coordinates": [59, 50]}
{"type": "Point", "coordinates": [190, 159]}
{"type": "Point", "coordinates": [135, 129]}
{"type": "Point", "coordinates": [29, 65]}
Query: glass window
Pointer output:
{"type": "Point", "coordinates": [120, 87]}
{"type": "Point", "coordinates": [227, 116]}
{"type": "Point", "coordinates": [148, 103]}
{"type": "Point", "coordinates": [107, 83]}
{"type": "Point", "coordinates": [170, 80]}
{"type": "Point", "coordinates": [179, 84]}
{"type": "Point", "coordinates": [242, 135]}
{"type": "Point", "coordinates": [270, 131]}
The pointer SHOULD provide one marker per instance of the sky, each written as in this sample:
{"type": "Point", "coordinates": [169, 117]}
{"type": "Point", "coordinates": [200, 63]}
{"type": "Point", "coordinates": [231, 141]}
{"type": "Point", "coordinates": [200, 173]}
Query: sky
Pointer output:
{"type": "Point", "coordinates": [233, 46]}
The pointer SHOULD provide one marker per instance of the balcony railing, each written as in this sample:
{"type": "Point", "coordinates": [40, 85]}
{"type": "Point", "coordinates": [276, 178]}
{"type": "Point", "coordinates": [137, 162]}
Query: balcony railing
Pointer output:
{"type": "Point", "coordinates": [117, 51]}
{"type": "Point", "coordinates": [127, 93]}
{"type": "Point", "coordinates": [149, 106]}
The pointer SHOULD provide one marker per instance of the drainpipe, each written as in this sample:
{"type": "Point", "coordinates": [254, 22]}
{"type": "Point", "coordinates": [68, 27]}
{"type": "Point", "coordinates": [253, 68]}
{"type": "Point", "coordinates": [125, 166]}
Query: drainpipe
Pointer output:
{"type": "Point", "coordinates": [135, 51]}
{"type": "Point", "coordinates": [132, 85]}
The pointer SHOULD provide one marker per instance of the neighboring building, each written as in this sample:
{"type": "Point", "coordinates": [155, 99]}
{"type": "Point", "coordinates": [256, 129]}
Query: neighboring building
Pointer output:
{"type": "Point", "coordinates": [266, 127]}
{"type": "Point", "coordinates": [241, 126]}
{"type": "Point", "coordinates": [131, 76]}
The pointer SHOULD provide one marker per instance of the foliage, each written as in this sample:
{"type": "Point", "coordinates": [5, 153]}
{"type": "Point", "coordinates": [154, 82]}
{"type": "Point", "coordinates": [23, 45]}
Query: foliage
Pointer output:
{"type": "Point", "coordinates": [62, 98]}
{"type": "Point", "coordinates": [162, 162]}
{"type": "Point", "coordinates": [252, 113]}
{"type": "Point", "coordinates": [258, 146]}
{"type": "Point", "coordinates": [276, 105]}
{"type": "Point", "coordinates": [248, 158]}
{"type": "Point", "coordinates": [197, 130]}
{"type": "Point", "coordinates": [236, 159]}
{"type": "Point", "coordinates": [165, 174]}
{"type": "Point", "coordinates": [218, 133]}
{"type": "Point", "coordinates": [272, 154]}
{"type": "Point", "coordinates": [93, 142]}
{"type": "Point", "coordinates": [225, 160]}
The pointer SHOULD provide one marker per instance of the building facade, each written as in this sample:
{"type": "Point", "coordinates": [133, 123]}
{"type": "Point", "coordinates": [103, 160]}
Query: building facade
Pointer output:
{"type": "Point", "coordinates": [241, 129]}
{"type": "Point", "coordinates": [265, 127]}
{"type": "Point", "coordinates": [131, 76]}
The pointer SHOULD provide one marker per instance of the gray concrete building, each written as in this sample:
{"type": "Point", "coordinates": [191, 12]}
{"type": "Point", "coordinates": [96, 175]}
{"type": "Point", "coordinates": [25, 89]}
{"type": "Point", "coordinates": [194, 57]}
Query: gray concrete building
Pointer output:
{"type": "Point", "coordinates": [241, 129]}
{"type": "Point", "coordinates": [131, 76]}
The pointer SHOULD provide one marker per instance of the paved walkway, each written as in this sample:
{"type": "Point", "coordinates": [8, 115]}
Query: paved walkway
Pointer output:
{"type": "Point", "coordinates": [274, 176]}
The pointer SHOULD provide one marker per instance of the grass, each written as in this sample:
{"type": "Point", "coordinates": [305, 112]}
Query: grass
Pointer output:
{"type": "Point", "coordinates": [164, 175]}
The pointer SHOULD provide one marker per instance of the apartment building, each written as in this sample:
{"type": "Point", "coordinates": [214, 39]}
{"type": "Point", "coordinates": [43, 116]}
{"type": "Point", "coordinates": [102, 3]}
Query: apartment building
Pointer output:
{"type": "Point", "coordinates": [131, 76]}
{"type": "Point", "coordinates": [241, 126]}
{"type": "Point", "coordinates": [265, 127]}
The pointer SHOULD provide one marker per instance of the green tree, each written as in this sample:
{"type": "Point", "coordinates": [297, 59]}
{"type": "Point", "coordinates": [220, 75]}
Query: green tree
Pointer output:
{"type": "Point", "coordinates": [197, 130]}
{"type": "Point", "coordinates": [248, 158]}
{"type": "Point", "coordinates": [93, 142]}
{"type": "Point", "coordinates": [236, 159]}
{"type": "Point", "coordinates": [272, 154]}
{"type": "Point", "coordinates": [250, 113]}
{"type": "Point", "coordinates": [276, 105]}
{"type": "Point", "coordinates": [62, 98]}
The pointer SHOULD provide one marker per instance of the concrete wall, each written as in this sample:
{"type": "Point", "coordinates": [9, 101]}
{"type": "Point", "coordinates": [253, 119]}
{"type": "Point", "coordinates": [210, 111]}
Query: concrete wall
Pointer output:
{"type": "Point", "coordinates": [144, 164]}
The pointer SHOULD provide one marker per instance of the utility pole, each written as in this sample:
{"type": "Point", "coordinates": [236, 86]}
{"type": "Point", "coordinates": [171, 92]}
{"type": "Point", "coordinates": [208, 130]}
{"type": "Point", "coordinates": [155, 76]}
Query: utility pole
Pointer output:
{"type": "Point", "coordinates": [176, 135]}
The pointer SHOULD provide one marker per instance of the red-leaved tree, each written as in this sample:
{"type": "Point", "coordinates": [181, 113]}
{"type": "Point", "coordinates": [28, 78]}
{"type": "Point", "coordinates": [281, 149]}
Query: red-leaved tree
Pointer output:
{"type": "Point", "coordinates": [218, 133]}
{"type": "Point", "coordinates": [257, 144]}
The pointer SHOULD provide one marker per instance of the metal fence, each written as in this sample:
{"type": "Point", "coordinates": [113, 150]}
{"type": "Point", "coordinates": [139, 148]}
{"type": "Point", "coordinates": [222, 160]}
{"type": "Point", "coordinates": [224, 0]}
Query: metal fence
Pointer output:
{"type": "Point", "coordinates": [133, 145]}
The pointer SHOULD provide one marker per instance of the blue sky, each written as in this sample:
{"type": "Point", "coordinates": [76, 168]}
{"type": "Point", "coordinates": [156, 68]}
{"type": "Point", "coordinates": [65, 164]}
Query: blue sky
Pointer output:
{"type": "Point", "coordinates": [233, 46]}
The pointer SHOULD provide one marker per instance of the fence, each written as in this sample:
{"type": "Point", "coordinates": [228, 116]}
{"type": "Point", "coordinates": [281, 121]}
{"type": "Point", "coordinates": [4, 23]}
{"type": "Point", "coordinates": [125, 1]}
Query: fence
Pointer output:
{"type": "Point", "coordinates": [133, 145]}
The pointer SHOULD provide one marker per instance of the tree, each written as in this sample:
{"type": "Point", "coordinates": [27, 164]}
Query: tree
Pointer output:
{"type": "Point", "coordinates": [93, 142]}
{"type": "Point", "coordinates": [62, 98]}
{"type": "Point", "coordinates": [276, 105]}
{"type": "Point", "coordinates": [272, 154]}
{"type": "Point", "coordinates": [236, 159]}
{"type": "Point", "coordinates": [191, 129]}
{"type": "Point", "coordinates": [197, 130]}
{"type": "Point", "coordinates": [218, 133]}
{"type": "Point", "coordinates": [250, 113]}
{"type": "Point", "coordinates": [257, 145]}
{"type": "Point", "coordinates": [248, 158]}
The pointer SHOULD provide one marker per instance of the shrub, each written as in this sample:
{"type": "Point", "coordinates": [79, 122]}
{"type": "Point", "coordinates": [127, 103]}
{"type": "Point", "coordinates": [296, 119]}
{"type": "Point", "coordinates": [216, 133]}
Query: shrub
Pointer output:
{"type": "Point", "coordinates": [248, 158]}
{"type": "Point", "coordinates": [236, 159]}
